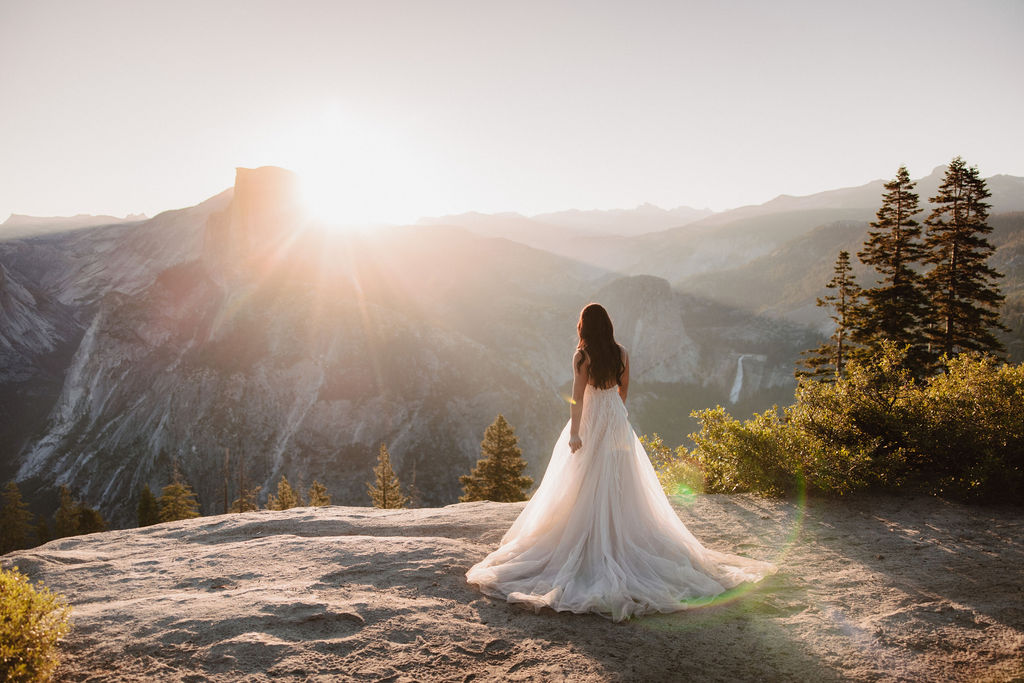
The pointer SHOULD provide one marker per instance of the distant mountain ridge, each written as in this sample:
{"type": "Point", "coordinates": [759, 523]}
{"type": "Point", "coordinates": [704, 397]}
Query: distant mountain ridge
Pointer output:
{"type": "Point", "coordinates": [18, 225]}
{"type": "Point", "coordinates": [235, 329]}
{"type": "Point", "coordinates": [232, 329]}
{"type": "Point", "coordinates": [774, 258]}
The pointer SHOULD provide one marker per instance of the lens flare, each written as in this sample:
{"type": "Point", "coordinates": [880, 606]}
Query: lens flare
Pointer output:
{"type": "Point", "coordinates": [744, 597]}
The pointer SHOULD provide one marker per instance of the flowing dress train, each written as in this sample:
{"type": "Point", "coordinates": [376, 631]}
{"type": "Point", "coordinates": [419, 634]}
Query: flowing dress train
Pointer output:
{"type": "Point", "coordinates": [599, 534]}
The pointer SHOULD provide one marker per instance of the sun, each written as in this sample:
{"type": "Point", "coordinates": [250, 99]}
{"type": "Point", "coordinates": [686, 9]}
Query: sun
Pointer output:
{"type": "Point", "coordinates": [352, 175]}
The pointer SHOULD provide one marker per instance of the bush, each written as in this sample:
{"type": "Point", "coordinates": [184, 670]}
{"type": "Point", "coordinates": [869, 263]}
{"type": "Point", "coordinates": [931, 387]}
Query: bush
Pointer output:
{"type": "Point", "coordinates": [34, 620]}
{"type": "Point", "coordinates": [757, 455]}
{"type": "Point", "coordinates": [972, 429]}
{"type": "Point", "coordinates": [679, 474]}
{"type": "Point", "coordinates": [959, 434]}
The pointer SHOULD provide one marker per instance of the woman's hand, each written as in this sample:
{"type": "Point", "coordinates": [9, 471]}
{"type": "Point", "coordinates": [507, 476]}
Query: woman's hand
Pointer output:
{"type": "Point", "coordinates": [575, 443]}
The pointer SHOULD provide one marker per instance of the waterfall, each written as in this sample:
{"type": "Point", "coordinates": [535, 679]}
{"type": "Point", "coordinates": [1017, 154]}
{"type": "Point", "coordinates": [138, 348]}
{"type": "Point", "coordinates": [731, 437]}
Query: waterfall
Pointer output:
{"type": "Point", "coordinates": [737, 385]}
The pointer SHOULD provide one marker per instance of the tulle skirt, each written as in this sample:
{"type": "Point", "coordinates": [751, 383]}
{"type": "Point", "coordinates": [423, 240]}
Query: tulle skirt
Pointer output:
{"type": "Point", "coordinates": [599, 534]}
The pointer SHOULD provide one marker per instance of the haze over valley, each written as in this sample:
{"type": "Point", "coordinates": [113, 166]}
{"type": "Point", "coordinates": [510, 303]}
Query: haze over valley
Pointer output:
{"type": "Point", "coordinates": [239, 328]}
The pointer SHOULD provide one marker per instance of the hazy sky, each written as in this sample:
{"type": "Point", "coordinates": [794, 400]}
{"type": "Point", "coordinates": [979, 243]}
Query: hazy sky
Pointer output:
{"type": "Point", "coordinates": [400, 109]}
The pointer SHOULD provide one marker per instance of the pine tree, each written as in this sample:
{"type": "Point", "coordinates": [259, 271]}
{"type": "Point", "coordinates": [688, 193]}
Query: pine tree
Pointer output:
{"type": "Point", "coordinates": [246, 501]}
{"type": "Point", "coordinates": [286, 497]}
{"type": "Point", "coordinates": [90, 520]}
{"type": "Point", "coordinates": [178, 501]}
{"type": "Point", "coordinates": [43, 534]}
{"type": "Point", "coordinates": [225, 496]}
{"type": "Point", "coordinates": [827, 361]}
{"type": "Point", "coordinates": [896, 308]}
{"type": "Point", "coordinates": [66, 517]}
{"type": "Point", "coordinates": [247, 497]}
{"type": "Point", "coordinates": [74, 518]}
{"type": "Point", "coordinates": [498, 475]}
{"type": "Point", "coordinates": [148, 509]}
{"type": "Point", "coordinates": [15, 520]}
{"type": "Point", "coordinates": [963, 287]}
{"type": "Point", "coordinates": [415, 499]}
{"type": "Point", "coordinates": [318, 496]}
{"type": "Point", "coordinates": [385, 491]}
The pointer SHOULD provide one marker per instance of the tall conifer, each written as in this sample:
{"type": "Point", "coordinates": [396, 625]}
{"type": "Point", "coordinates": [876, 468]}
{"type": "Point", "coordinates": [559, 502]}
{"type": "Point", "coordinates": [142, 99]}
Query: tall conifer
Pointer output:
{"type": "Point", "coordinates": [828, 360]}
{"type": "Point", "coordinates": [384, 490]}
{"type": "Point", "coordinates": [43, 534]}
{"type": "Point", "coordinates": [318, 496]}
{"type": "Point", "coordinates": [66, 517]}
{"type": "Point", "coordinates": [498, 475]}
{"type": "Point", "coordinates": [90, 520]}
{"type": "Point", "coordinates": [895, 308]}
{"type": "Point", "coordinates": [246, 501]}
{"type": "Point", "coordinates": [74, 518]}
{"type": "Point", "coordinates": [247, 496]}
{"type": "Point", "coordinates": [178, 500]}
{"type": "Point", "coordinates": [148, 510]}
{"type": "Point", "coordinates": [415, 497]}
{"type": "Point", "coordinates": [963, 287]}
{"type": "Point", "coordinates": [286, 497]}
{"type": "Point", "coordinates": [15, 520]}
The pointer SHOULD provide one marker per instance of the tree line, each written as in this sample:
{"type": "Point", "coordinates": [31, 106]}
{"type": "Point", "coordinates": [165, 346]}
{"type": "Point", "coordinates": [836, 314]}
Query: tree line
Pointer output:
{"type": "Point", "coordinates": [935, 293]}
{"type": "Point", "coordinates": [908, 394]}
{"type": "Point", "coordinates": [498, 476]}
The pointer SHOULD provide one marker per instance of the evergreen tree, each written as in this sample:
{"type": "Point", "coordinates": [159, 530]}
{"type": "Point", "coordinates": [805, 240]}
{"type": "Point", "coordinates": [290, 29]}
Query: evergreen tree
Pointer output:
{"type": "Point", "coordinates": [178, 501]}
{"type": "Point", "coordinates": [415, 499]}
{"type": "Point", "coordinates": [385, 491]}
{"type": "Point", "coordinates": [66, 517]}
{"type": "Point", "coordinates": [225, 496]}
{"type": "Point", "coordinates": [15, 520]}
{"type": "Point", "coordinates": [43, 534]}
{"type": "Point", "coordinates": [963, 288]}
{"type": "Point", "coordinates": [148, 509]}
{"type": "Point", "coordinates": [827, 361]}
{"type": "Point", "coordinates": [90, 520]}
{"type": "Point", "coordinates": [318, 496]}
{"type": "Point", "coordinates": [286, 497]}
{"type": "Point", "coordinates": [247, 497]}
{"type": "Point", "coordinates": [896, 308]}
{"type": "Point", "coordinates": [498, 475]}
{"type": "Point", "coordinates": [74, 518]}
{"type": "Point", "coordinates": [246, 501]}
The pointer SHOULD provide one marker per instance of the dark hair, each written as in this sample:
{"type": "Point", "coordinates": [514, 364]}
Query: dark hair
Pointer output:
{"type": "Point", "coordinates": [597, 341]}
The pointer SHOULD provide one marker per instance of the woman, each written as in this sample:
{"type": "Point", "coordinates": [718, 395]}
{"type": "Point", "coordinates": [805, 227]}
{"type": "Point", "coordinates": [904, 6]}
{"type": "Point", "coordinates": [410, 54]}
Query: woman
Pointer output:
{"type": "Point", "coordinates": [599, 535]}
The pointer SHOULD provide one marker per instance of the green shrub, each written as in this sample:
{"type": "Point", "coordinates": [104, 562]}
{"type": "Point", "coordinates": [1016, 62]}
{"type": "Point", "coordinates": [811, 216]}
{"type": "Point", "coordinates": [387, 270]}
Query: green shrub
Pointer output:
{"type": "Point", "coordinates": [679, 474]}
{"type": "Point", "coordinates": [972, 429]}
{"type": "Point", "coordinates": [33, 621]}
{"type": "Point", "coordinates": [959, 434]}
{"type": "Point", "coordinates": [756, 455]}
{"type": "Point", "coordinates": [854, 431]}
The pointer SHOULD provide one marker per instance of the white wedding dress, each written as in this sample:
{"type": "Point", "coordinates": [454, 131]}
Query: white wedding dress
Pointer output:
{"type": "Point", "coordinates": [599, 534]}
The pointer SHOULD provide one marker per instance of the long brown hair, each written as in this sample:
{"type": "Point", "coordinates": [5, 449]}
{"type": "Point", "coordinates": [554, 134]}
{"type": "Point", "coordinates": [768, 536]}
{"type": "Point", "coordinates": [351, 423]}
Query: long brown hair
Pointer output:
{"type": "Point", "coordinates": [597, 341]}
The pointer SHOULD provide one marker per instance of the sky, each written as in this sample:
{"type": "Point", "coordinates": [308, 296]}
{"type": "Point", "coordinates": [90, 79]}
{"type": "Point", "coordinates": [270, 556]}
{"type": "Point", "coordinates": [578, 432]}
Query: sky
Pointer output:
{"type": "Point", "coordinates": [393, 110]}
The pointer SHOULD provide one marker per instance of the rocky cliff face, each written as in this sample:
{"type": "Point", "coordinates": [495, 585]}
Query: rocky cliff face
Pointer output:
{"type": "Point", "coordinates": [236, 340]}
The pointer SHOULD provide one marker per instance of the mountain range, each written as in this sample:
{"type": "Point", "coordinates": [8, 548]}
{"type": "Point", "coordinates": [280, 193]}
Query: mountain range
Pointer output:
{"type": "Point", "coordinates": [236, 338]}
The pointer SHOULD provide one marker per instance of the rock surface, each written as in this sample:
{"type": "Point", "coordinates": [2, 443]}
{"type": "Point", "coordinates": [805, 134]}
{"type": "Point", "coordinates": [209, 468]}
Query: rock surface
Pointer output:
{"type": "Point", "coordinates": [874, 588]}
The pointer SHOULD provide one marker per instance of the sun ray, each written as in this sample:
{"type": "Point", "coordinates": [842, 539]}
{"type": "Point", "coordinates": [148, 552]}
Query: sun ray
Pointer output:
{"type": "Point", "coordinates": [354, 174]}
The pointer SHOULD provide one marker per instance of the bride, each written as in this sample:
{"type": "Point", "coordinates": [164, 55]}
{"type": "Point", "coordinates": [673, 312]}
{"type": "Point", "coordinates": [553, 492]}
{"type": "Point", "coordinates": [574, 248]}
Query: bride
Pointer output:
{"type": "Point", "coordinates": [599, 534]}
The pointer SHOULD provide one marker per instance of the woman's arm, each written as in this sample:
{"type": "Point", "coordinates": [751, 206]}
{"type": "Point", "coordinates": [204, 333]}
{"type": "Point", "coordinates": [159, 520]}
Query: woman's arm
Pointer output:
{"type": "Point", "coordinates": [580, 374]}
{"type": "Point", "coordinates": [624, 384]}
